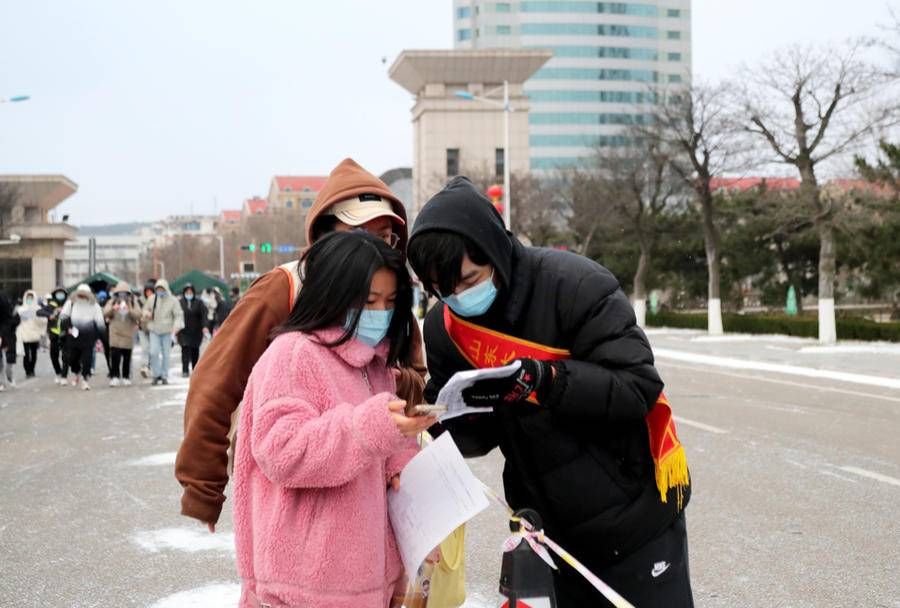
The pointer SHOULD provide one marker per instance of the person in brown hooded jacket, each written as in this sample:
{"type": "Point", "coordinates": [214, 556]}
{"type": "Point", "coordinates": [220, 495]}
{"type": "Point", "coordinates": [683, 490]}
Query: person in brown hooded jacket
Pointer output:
{"type": "Point", "coordinates": [351, 198]}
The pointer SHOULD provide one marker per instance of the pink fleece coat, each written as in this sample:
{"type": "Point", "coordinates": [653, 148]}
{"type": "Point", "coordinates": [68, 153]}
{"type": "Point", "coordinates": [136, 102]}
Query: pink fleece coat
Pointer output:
{"type": "Point", "coordinates": [316, 448]}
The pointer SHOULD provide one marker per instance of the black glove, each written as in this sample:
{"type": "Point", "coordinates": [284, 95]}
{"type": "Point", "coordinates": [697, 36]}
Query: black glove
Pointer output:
{"type": "Point", "coordinates": [532, 376]}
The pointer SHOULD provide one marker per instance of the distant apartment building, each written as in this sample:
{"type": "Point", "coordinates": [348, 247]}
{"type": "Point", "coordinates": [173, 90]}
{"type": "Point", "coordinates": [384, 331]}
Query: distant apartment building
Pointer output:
{"type": "Point", "coordinates": [294, 193]}
{"type": "Point", "coordinates": [254, 206]}
{"type": "Point", "coordinates": [164, 231]}
{"type": "Point", "coordinates": [230, 220]}
{"type": "Point", "coordinates": [117, 255]}
{"type": "Point", "coordinates": [610, 59]}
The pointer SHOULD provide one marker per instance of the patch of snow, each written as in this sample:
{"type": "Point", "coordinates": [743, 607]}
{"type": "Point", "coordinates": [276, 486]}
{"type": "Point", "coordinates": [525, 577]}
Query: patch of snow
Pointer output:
{"type": "Point", "coordinates": [184, 539]}
{"type": "Point", "coordinates": [153, 460]}
{"type": "Point", "coordinates": [216, 594]}
{"type": "Point", "coordinates": [880, 348]}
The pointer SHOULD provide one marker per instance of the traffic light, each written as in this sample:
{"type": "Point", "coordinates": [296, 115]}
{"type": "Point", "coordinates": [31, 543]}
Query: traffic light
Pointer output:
{"type": "Point", "coordinates": [265, 248]}
{"type": "Point", "coordinates": [251, 247]}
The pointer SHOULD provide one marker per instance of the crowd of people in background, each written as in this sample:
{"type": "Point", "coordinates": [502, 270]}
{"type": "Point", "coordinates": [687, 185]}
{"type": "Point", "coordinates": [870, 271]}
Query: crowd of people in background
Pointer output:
{"type": "Point", "coordinates": [79, 326]}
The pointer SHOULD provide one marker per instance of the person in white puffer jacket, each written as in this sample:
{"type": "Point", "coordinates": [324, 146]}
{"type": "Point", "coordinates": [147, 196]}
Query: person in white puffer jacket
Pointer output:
{"type": "Point", "coordinates": [82, 319]}
{"type": "Point", "coordinates": [31, 328]}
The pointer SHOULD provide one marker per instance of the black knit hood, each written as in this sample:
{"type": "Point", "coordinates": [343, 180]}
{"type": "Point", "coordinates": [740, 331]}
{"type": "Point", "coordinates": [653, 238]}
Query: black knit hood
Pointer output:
{"type": "Point", "coordinates": [462, 209]}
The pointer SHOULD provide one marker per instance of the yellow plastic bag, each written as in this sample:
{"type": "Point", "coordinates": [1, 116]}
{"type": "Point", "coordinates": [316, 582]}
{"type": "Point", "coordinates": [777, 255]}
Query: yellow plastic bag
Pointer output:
{"type": "Point", "coordinates": [448, 580]}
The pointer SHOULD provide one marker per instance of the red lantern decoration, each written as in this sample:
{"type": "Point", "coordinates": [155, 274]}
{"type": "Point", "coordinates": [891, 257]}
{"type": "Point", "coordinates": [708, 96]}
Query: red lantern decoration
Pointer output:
{"type": "Point", "coordinates": [495, 193]}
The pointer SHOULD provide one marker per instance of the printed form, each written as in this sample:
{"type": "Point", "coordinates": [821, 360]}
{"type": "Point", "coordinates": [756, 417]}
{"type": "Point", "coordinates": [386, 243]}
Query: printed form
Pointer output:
{"type": "Point", "coordinates": [438, 493]}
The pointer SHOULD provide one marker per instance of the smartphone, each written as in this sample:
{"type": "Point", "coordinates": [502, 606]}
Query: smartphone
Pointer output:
{"type": "Point", "coordinates": [426, 410]}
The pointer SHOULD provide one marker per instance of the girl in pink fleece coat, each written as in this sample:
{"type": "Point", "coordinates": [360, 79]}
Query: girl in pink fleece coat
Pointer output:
{"type": "Point", "coordinates": [323, 435]}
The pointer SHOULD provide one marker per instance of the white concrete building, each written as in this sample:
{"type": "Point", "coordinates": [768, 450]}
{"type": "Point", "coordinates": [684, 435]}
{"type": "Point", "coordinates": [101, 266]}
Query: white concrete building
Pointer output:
{"type": "Point", "coordinates": [451, 134]}
{"type": "Point", "coordinates": [118, 255]}
{"type": "Point", "coordinates": [609, 59]}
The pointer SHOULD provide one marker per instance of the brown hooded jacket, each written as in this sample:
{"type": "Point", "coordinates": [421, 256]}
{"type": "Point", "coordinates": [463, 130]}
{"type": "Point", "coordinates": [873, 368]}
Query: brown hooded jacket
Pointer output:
{"type": "Point", "coordinates": [217, 385]}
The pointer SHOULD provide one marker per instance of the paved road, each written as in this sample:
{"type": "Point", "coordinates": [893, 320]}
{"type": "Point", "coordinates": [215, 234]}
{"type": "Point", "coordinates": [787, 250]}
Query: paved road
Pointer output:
{"type": "Point", "coordinates": [796, 483]}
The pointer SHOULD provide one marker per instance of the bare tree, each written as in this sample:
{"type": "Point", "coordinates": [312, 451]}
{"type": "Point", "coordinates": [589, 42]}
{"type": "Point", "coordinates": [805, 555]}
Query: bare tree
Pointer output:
{"type": "Point", "coordinates": [639, 184]}
{"type": "Point", "coordinates": [811, 105]}
{"type": "Point", "coordinates": [696, 124]}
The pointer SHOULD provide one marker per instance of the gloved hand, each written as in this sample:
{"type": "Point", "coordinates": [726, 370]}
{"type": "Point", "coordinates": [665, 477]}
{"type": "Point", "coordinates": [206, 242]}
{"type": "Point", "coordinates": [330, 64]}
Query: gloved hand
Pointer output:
{"type": "Point", "coordinates": [532, 376]}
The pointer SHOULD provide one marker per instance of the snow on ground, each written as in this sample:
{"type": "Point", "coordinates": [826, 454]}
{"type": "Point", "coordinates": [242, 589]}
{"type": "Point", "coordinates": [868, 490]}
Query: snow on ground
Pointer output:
{"type": "Point", "coordinates": [153, 460]}
{"type": "Point", "coordinates": [216, 594]}
{"type": "Point", "coordinates": [184, 539]}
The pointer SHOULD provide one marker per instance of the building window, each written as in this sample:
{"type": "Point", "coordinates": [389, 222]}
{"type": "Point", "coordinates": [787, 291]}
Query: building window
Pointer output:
{"type": "Point", "coordinates": [503, 7]}
{"type": "Point", "coordinates": [288, 203]}
{"type": "Point", "coordinates": [306, 203]}
{"type": "Point", "coordinates": [452, 162]}
{"type": "Point", "coordinates": [587, 118]}
{"type": "Point", "coordinates": [498, 162]}
{"type": "Point", "coordinates": [504, 30]}
{"type": "Point", "coordinates": [611, 52]}
{"type": "Point", "coordinates": [674, 56]}
{"type": "Point", "coordinates": [589, 29]}
{"type": "Point", "coordinates": [463, 12]}
{"type": "Point", "coordinates": [191, 226]}
{"type": "Point", "coordinates": [287, 189]}
{"type": "Point", "coordinates": [595, 74]}
{"type": "Point", "coordinates": [593, 96]}
{"type": "Point", "coordinates": [673, 12]}
{"type": "Point", "coordinates": [614, 8]}
{"type": "Point", "coordinates": [570, 140]}
{"type": "Point", "coordinates": [15, 276]}
{"type": "Point", "coordinates": [464, 34]}
{"type": "Point", "coordinates": [673, 35]}
{"type": "Point", "coordinates": [675, 78]}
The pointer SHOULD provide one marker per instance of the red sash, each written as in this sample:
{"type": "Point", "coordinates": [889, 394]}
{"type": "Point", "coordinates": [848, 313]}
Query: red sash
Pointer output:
{"type": "Point", "coordinates": [483, 347]}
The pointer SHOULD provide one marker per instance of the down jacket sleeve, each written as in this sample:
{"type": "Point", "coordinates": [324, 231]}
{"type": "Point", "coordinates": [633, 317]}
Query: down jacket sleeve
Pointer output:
{"type": "Point", "coordinates": [611, 375]}
{"type": "Point", "coordinates": [298, 446]}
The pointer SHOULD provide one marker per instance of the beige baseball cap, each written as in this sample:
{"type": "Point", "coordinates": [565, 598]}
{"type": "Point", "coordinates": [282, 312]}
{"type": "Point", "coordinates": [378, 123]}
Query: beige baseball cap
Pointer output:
{"type": "Point", "coordinates": [360, 209]}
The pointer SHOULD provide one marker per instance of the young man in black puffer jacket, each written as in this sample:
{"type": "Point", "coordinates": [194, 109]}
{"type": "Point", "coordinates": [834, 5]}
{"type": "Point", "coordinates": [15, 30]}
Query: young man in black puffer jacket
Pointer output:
{"type": "Point", "coordinates": [577, 419]}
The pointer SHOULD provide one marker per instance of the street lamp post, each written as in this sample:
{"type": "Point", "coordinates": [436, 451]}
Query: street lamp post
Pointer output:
{"type": "Point", "coordinates": [506, 110]}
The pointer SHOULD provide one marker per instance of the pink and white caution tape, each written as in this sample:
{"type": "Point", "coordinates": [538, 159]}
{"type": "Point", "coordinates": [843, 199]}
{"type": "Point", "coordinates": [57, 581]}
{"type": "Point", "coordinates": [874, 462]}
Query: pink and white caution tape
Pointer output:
{"type": "Point", "coordinates": [537, 539]}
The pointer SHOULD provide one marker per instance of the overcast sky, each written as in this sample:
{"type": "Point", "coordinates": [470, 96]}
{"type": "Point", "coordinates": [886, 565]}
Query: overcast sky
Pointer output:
{"type": "Point", "coordinates": [184, 105]}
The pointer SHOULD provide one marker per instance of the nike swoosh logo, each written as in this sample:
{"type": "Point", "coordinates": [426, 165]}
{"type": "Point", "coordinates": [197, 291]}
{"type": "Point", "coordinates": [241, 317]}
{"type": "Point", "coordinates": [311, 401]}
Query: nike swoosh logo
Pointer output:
{"type": "Point", "coordinates": [659, 569]}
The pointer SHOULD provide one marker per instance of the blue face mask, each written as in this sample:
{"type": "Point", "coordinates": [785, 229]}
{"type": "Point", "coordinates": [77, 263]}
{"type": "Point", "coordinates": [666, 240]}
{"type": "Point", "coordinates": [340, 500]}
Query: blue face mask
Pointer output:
{"type": "Point", "coordinates": [373, 325]}
{"type": "Point", "coordinates": [475, 300]}
{"type": "Point", "coordinates": [161, 294]}
{"type": "Point", "coordinates": [60, 297]}
{"type": "Point", "coordinates": [188, 296]}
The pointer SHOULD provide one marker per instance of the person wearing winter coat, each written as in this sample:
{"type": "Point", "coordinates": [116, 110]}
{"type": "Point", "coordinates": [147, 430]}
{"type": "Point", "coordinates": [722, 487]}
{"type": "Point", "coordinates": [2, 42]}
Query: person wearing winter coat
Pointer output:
{"type": "Point", "coordinates": [9, 320]}
{"type": "Point", "coordinates": [221, 312]}
{"type": "Point", "coordinates": [163, 320]}
{"type": "Point", "coordinates": [123, 316]}
{"type": "Point", "coordinates": [31, 328]}
{"type": "Point", "coordinates": [50, 311]}
{"type": "Point", "coordinates": [144, 335]}
{"type": "Point", "coordinates": [323, 435]}
{"type": "Point", "coordinates": [589, 439]}
{"type": "Point", "coordinates": [351, 198]}
{"type": "Point", "coordinates": [196, 326]}
{"type": "Point", "coordinates": [82, 321]}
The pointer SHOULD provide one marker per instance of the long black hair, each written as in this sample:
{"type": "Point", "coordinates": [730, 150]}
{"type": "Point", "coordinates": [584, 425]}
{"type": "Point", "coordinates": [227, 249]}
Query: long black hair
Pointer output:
{"type": "Point", "coordinates": [336, 275]}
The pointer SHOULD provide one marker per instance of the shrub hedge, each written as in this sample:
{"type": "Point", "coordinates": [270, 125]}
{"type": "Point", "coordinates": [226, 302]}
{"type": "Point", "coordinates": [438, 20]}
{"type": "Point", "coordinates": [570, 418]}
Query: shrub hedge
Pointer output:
{"type": "Point", "coordinates": [849, 328]}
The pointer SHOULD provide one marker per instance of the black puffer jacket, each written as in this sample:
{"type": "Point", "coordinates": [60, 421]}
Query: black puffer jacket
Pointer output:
{"type": "Point", "coordinates": [583, 460]}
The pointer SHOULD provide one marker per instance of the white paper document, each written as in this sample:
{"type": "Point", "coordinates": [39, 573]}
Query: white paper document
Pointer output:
{"type": "Point", "coordinates": [451, 394]}
{"type": "Point", "coordinates": [438, 493]}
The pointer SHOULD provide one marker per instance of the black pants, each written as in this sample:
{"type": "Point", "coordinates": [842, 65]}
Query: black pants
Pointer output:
{"type": "Point", "coordinates": [189, 355]}
{"type": "Point", "coordinates": [54, 355]}
{"type": "Point", "coordinates": [121, 356]}
{"type": "Point", "coordinates": [80, 354]}
{"type": "Point", "coordinates": [30, 359]}
{"type": "Point", "coordinates": [654, 576]}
